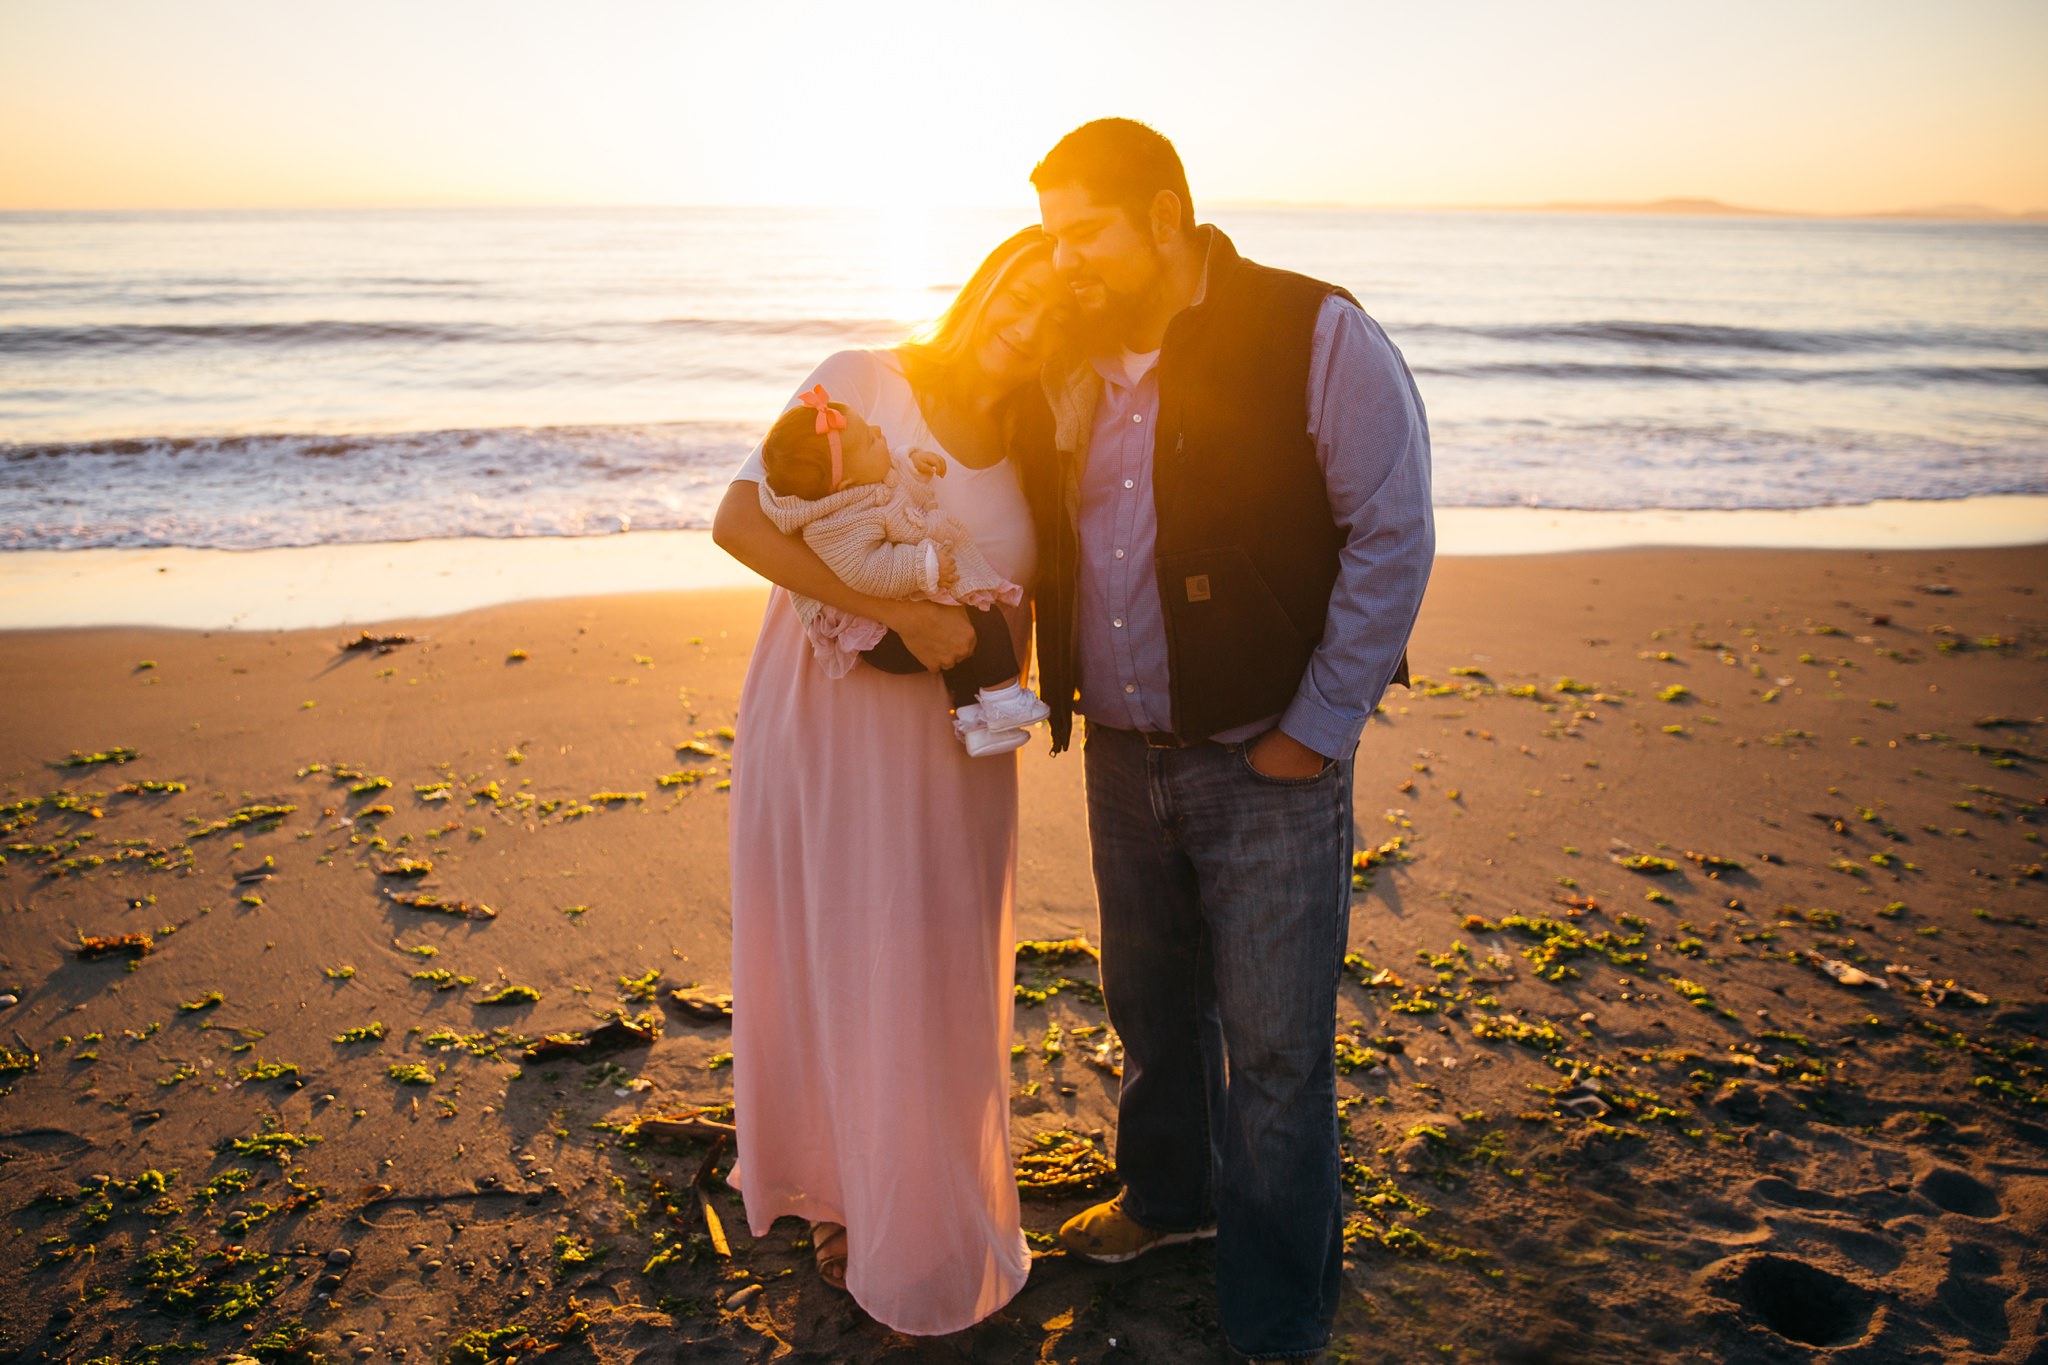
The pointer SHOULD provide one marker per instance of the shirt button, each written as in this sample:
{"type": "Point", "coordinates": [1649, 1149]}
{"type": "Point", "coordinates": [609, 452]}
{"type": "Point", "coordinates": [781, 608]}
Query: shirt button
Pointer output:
{"type": "Point", "coordinates": [1129, 484]}
{"type": "Point", "coordinates": [1119, 554]}
{"type": "Point", "coordinates": [1118, 623]}
{"type": "Point", "coordinates": [1130, 687]}
{"type": "Point", "coordinates": [1137, 417]}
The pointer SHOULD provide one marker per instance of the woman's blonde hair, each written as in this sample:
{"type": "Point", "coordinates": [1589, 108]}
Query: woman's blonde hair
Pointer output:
{"type": "Point", "coordinates": [937, 357]}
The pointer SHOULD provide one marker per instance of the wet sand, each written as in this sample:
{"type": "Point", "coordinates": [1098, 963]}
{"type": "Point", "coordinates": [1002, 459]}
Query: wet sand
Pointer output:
{"type": "Point", "coordinates": [1594, 1111]}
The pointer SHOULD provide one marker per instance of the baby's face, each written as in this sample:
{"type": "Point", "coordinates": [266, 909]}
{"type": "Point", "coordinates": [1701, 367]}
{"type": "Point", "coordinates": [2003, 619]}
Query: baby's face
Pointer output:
{"type": "Point", "coordinates": [863, 451]}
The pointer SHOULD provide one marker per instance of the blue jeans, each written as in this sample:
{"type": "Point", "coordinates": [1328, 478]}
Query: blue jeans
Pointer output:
{"type": "Point", "coordinates": [1226, 902]}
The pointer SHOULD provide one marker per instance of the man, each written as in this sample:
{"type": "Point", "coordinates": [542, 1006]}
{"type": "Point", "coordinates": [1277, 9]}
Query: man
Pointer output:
{"type": "Point", "coordinates": [1235, 537]}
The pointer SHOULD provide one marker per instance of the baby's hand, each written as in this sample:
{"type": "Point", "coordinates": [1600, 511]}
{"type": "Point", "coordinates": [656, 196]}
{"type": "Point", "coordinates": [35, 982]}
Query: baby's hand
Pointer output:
{"type": "Point", "coordinates": [927, 463]}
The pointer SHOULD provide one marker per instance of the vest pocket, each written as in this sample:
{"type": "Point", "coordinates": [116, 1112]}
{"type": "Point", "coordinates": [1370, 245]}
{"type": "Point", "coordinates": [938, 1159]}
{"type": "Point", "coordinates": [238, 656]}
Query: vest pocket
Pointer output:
{"type": "Point", "coordinates": [1235, 654]}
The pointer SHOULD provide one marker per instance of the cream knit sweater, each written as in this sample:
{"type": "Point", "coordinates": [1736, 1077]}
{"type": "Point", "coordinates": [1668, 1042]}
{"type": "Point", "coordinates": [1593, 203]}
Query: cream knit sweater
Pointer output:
{"type": "Point", "coordinates": [883, 539]}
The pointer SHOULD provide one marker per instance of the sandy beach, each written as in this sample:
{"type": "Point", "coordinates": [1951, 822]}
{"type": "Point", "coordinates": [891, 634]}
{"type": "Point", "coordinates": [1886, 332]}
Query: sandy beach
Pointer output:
{"type": "Point", "coordinates": [1695, 1012]}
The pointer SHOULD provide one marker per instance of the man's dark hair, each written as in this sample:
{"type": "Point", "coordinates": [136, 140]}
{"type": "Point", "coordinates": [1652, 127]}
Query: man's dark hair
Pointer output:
{"type": "Point", "coordinates": [1118, 161]}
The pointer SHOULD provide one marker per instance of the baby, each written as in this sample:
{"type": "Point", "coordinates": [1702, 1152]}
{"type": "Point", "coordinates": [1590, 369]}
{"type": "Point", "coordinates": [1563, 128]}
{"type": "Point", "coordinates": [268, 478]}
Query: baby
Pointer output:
{"type": "Point", "coordinates": [874, 518]}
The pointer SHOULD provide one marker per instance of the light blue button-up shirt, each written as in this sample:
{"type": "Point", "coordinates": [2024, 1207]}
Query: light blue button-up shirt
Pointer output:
{"type": "Point", "coordinates": [1372, 441]}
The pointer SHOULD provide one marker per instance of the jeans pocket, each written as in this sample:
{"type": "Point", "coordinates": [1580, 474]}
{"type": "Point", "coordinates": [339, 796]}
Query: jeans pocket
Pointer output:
{"type": "Point", "coordinates": [1244, 760]}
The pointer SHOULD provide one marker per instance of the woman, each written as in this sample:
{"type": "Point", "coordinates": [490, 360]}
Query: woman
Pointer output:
{"type": "Point", "coordinates": [873, 860]}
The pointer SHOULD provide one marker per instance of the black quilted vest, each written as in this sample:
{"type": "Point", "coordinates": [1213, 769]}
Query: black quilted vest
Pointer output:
{"type": "Point", "coordinates": [1247, 548]}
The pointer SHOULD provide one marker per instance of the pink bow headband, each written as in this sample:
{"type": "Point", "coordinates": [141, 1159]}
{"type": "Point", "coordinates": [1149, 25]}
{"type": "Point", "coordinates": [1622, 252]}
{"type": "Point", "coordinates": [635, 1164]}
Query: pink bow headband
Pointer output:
{"type": "Point", "coordinates": [830, 423]}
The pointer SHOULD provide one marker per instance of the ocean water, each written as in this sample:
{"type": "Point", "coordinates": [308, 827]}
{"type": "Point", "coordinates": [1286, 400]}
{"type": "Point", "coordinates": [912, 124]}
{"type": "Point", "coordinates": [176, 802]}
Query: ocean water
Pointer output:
{"type": "Point", "coordinates": [238, 380]}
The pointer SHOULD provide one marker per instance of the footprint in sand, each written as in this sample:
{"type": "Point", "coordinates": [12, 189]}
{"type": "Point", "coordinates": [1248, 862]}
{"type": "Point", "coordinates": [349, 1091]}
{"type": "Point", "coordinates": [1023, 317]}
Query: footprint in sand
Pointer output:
{"type": "Point", "coordinates": [1970, 1295]}
{"type": "Point", "coordinates": [34, 1142]}
{"type": "Point", "coordinates": [1773, 1189]}
{"type": "Point", "coordinates": [1954, 1191]}
{"type": "Point", "coordinates": [1724, 1217]}
{"type": "Point", "coordinates": [1867, 1249]}
{"type": "Point", "coordinates": [1797, 1300]}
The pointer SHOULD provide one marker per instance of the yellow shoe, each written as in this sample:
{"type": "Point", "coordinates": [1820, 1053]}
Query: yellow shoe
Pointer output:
{"type": "Point", "coordinates": [1106, 1233]}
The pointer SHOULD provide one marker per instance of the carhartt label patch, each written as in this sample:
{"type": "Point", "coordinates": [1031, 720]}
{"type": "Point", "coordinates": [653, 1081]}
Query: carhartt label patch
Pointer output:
{"type": "Point", "coordinates": [1198, 587]}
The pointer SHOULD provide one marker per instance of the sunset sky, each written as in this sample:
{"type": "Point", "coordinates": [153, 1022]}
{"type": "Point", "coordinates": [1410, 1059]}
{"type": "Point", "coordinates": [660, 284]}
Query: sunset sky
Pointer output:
{"type": "Point", "coordinates": [1819, 105]}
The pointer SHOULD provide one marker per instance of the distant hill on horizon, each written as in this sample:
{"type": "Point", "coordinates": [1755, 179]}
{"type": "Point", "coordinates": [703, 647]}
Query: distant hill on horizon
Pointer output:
{"type": "Point", "coordinates": [1706, 208]}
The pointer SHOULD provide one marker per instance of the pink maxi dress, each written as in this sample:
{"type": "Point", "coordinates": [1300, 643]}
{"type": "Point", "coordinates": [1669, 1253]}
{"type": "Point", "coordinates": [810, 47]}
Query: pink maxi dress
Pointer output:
{"type": "Point", "coordinates": [872, 869]}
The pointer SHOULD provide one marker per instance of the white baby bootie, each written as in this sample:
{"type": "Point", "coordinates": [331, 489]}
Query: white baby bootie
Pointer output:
{"type": "Point", "coordinates": [1011, 707]}
{"type": "Point", "coordinates": [995, 724]}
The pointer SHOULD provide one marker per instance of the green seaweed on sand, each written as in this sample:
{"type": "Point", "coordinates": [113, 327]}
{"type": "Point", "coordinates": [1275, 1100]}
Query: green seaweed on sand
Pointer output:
{"type": "Point", "coordinates": [117, 755]}
{"type": "Point", "coordinates": [290, 1344]}
{"type": "Point", "coordinates": [1354, 1056]}
{"type": "Point", "coordinates": [510, 995]}
{"type": "Point", "coordinates": [483, 1043]}
{"type": "Point", "coordinates": [410, 1073]}
{"type": "Point", "coordinates": [441, 979]}
{"type": "Point", "coordinates": [1559, 940]}
{"type": "Point", "coordinates": [129, 945]}
{"type": "Point", "coordinates": [573, 1253]}
{"type": "Point", "coordinates": [1036, 959]}
{"type": "Point", "coordinates": [151, 788]}
{"type": "Point", "coordinates": [618, 1031]}
{"type": "Point", "coordinates": [363, 1033]}
{"type": "Point", "coordinates": [302, 1197]}
{"type": "Point", "coordinates": [270, 1143]}
{"type": "Point", "coordinates": [210, 1000]}
{"type": "Point", "coordinates": [1366, 861]}
{"type": "Point", "coordinates": [220, 1286]}
{"type": "Point", "coordinates": [1699, 996]}
{"type": "Point", "coordinates": [233, 1180]}
{"type": "Point", "coordinates": [1542, 1036]}
{"type": "Point", "coordinates": [486, 1345]}
{"type": "Point", "coordinates": [1714, 863]}
{"type": "Point", "coordinates": [1062, 1163]}
{"type": "Point", "coordinates": [616, 798]}
{"type": "Point", "coordinates": [1649, 864]}
{"type": "Point", "coordinates": [407, 867]}
{"type": "Point", "coordinates": [428, 901]}
{"type": "Point", "coordinates": [641, 987]}
{"type": "Point", "coordinates": [261, 815]}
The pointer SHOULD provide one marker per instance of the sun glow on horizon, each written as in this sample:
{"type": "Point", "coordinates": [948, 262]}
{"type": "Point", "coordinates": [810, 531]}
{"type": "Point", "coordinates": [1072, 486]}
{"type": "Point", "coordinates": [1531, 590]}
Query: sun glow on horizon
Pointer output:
{"type": "Point", "coordinates": [909, 105]}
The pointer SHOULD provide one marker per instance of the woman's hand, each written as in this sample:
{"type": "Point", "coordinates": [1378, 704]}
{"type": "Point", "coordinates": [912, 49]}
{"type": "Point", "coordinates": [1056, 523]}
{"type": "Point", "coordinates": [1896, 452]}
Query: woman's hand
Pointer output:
{"type": "Point", "coordinates": [742, 530]}
{"type": "Point", "coordinates": [940, 636]}
{"type": "Point", "coordinates": [1279, 754]}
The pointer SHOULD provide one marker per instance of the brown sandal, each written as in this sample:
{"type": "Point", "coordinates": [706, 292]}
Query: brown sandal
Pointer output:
{"type": "Point", "coordinates": [828, 1244]}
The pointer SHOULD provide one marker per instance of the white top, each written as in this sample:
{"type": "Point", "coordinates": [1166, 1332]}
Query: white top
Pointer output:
{"type": "Point", "coordinates": [1138, 364]}
{"type": "Point", "coordinates": [988, 502]}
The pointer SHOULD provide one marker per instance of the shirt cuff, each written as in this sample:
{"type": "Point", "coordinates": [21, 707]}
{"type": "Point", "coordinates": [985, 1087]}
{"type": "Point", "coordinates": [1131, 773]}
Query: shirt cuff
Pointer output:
{"type": "Point", "coordinates": [1329, 733]}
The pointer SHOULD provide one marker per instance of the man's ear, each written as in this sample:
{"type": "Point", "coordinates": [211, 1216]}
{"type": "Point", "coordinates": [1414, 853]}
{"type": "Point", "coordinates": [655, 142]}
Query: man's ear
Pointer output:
{"type": "Point", "coordinates": [1165, 217]}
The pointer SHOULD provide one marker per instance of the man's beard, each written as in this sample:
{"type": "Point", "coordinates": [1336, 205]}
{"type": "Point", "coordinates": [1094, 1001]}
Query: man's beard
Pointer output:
{"type": "Point", "coordinates": [1104, 329]}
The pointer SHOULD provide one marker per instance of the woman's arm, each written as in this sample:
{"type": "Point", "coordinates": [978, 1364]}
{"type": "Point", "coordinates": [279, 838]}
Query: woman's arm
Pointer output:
{"type": "Point", "coordinates": [939, 636]}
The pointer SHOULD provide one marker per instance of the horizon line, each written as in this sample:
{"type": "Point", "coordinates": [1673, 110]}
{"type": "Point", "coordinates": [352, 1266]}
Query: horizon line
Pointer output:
{"type": "Point", "coordinates": [1671, 206]}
